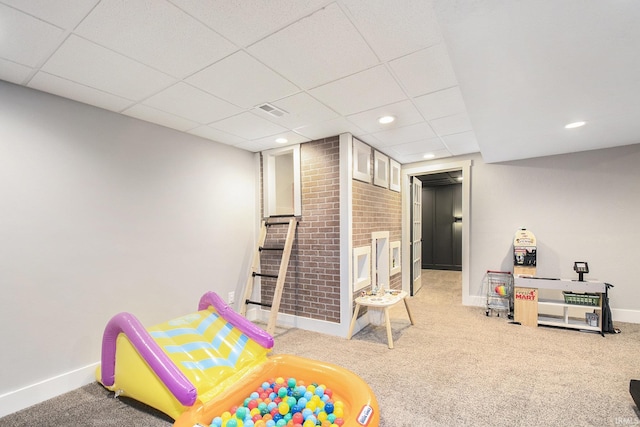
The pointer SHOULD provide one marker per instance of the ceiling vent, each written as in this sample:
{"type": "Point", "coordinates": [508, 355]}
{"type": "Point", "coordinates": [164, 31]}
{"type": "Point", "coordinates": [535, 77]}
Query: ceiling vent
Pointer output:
{"type": "Point", "coordinates": [271, 110]}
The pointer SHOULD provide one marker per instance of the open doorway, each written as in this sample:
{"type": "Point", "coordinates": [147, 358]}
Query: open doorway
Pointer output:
{"type": "Point", "coordinates": [442, 220]}
{"type": "Point", "coordinates": [461, 220]}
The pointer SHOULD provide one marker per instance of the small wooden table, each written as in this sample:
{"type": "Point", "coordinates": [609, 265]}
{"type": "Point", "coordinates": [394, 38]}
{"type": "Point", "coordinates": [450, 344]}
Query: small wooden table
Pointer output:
{"type": "Point", "coordinates": [385, 301]}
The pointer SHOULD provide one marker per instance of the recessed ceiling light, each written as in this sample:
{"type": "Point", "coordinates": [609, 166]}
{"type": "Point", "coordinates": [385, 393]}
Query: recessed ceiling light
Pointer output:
{"type": "Point", "coordinates": [386, 119]}
{"type": "Point", "coordinates": [429, 156]}
{"type": "Point", "coordinates": [459, 178]}
{"type": "Point", "coordinates": [282, 140]}
{"type": "Point", "coordinates": [575, 125]}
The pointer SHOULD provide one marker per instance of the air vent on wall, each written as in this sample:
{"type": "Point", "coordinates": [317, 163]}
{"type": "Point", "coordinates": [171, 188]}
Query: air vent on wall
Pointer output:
{"type": "Point", "coordinates": [270, 109]}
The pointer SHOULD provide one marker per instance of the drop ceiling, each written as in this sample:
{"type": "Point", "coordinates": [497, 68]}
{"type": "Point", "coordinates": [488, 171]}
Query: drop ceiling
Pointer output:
{"type": "Point", "coordinates": [492, 76]}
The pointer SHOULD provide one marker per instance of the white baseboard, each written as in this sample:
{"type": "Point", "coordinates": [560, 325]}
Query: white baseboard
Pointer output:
{"type": "Point", "coordinates": [22, 398]}
{"type": "Point", "coordinates": [626, 316]}
{"type": "Point", "coordinates": [291, 321]}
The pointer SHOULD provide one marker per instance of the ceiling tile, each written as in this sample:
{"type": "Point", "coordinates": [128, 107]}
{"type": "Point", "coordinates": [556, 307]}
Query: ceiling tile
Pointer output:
{"type": "Point", "coordinates": [329, 128]}
{"type": "Point", "coordinates": [457, 123]}
{"type": "Point", "coordinates": [404, 112]}
{"type": "Point", "coordinates": [208, 132]}
{"type": "Point", "coordinates": [243, 81]}
{"type": "Point", "coordinates": [13, 72]}
{"type": "Point", "coordinates": [354, 94]}
{"type": "Point", "coordinates": [317, 49]}
{"type": "Point", "coordinates": [244, 22]}
{"type": "Point", "coordinates": [425, 71]}
{"type": "Point", "coordinates": [423, 146]}
{"type": "Point", "coordinates": [156, 33]}
{"type": "Point", "coordinates": [248, 126]}
{"type": "Point", "coordinates": [25, 39]}
{"type": "Point", "coordinates": [290, 136]}
{"type": "Point", "coordinates": [187, 101]}
{"type": "Point", "coordinates": [91, 65]}
{"type": "Point", "coordinates": [419, 157]}
{"type": "Point", "coordinates": [63, 13]}
{"type": "Point", "coordinates": [461, 143]}
{"type": "Point", "coordinates": [440, 104]}
{"type": "Point", "coordinates": [301, 109]}
{"type": "Point", "coordinates": [150, 114]}
{"type": "Point", "coordinates": [416, 132]}
{"type": "Point", "coordinates": [408, 25]}
{"type": "Point", "coordinates": [72, 90]}
{"type": "Point", "coordinates": [250, 146]}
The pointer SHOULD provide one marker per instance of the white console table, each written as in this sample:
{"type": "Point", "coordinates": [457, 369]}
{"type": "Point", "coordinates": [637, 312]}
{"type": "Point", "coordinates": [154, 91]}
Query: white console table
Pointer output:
{"type": "Point", "coordinates": [526, 302]}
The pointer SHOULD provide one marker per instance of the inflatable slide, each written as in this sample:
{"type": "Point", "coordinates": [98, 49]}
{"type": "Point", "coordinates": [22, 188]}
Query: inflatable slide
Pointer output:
{"type": "Point", "coordinates": [198, 367]}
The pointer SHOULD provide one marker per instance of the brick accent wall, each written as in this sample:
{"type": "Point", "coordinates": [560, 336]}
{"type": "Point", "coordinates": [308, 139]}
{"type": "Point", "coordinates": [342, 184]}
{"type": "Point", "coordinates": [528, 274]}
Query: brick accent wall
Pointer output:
{"type": "Point", "coordinates": [376, 209]}
{"type": "Point", "coordinates": [312, 288]}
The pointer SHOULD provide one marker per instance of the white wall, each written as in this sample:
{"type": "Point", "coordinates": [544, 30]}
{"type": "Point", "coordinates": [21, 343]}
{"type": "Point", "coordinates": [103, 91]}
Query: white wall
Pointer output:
{"type": "Point", "coordinates": [100, 213]}
{"type": "Point", "coordinates": [581, 207]}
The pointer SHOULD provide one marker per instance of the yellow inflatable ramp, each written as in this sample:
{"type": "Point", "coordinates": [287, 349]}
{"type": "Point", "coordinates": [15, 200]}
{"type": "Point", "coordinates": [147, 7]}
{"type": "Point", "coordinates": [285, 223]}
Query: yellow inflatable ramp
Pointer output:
{"type": "Point", "coordinates": [198, 366]}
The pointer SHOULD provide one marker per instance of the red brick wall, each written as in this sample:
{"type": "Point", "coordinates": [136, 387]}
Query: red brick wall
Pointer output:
{"type": "Point", "coordinates": [312, 288]}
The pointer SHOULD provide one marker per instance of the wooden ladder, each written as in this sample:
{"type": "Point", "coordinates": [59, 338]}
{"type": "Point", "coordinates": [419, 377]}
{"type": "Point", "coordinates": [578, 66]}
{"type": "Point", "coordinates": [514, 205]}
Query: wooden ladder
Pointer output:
{"type": "Point", "coordinates": [282, 271]}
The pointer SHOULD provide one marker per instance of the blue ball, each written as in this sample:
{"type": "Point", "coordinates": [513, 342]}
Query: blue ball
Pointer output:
{"type": "Point", "coordinates": [306, 413]}
{"type": "Point", "coordinates": [328, 408]}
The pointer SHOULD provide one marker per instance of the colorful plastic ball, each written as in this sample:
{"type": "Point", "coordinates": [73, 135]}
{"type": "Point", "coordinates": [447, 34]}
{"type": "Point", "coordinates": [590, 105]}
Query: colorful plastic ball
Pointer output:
{"type": "Point", "coordinates": [282, 392]}
{"type": "Point", "coordinates": [217, 422]}
{"type": "Point", "coordinates": [283, 408]}
{"type": "Point", "coordinates": [241, 413]}
{"type": "Point", "coordinates": [297, 418]}
{"type": "Point", "coordinates": [328, 408]}
{"type": "Point", "coordinates": [232, 422]}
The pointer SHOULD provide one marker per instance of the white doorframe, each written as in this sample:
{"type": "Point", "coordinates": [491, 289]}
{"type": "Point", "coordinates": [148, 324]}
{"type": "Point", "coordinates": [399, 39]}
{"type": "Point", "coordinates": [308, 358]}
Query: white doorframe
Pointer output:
{"type": "Point", "coordinates": [422, 168]}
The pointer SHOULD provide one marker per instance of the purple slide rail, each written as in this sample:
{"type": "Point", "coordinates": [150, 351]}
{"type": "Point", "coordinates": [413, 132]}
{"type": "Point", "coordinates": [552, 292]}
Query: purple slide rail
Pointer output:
{"type": "Point", "coordinates": [184, 391]}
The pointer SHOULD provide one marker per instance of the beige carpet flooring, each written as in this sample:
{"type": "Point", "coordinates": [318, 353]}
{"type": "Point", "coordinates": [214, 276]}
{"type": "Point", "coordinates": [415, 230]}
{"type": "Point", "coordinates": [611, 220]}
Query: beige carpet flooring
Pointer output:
{"type": "Point", "coordinates": [454, 367]}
